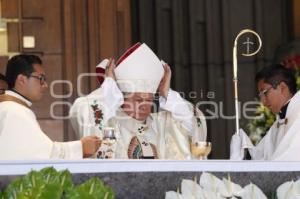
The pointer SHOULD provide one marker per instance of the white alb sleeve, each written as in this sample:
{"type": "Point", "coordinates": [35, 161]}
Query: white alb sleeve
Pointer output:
{"type": "Point", "coordinates": [67, 150]}
{"type": "Point", "coordinates": [179, 108]}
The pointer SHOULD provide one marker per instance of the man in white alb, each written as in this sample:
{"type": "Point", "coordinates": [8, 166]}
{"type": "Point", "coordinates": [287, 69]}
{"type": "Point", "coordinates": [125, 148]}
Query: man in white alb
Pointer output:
{"type": "Point", "coordinates": [278, 91]}
{"type": "Point", "coordinates": [20, 134]}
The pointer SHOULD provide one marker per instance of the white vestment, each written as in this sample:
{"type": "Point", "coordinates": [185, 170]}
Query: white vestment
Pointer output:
{"type": "Point", "coordinates": [169, 131]}
{"type": "Point", "coordinates": [22, 138]}
{"type": "Point", "coordinates": [282, 141]}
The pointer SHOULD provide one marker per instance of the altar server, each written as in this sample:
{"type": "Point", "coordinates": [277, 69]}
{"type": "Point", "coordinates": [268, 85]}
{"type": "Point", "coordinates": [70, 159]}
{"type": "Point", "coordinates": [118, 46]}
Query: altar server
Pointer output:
{"type": "Point", "coordinates": [124, 101]}
{"type": "Point", "coordinates": [20, 134]}
{"type": "Point", "coordinates": [277, 91]}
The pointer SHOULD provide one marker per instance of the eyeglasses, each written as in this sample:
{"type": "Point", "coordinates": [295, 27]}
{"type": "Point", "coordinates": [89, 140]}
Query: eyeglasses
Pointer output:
{"type": "Point", "coordinates": [41, 77]}
{"type": "Point", "coordinates": [264, 92]}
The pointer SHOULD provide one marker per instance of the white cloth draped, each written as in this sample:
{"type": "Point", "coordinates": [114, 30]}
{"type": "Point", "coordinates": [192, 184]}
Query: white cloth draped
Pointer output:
{"type": "Point", "coordinates": [169, 130]}
{"type": "Point", "coordinates": [22, 138]}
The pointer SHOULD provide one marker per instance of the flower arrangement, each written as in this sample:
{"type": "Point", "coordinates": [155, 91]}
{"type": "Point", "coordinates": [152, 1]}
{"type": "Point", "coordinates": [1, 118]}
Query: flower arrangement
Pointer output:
{"type": "Point", "coordinates": [261, 123]}
{"type": "Point", "coordinates": [209, 186]}
{"type": "Point", "coordinates": [212, 187]}
{"type": "Point", "coordinates": [264, 117]}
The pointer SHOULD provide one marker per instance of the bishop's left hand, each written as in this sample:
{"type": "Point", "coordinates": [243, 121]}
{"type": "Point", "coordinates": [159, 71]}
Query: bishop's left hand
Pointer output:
{"type": "Point", "coordinates": [165, 82]}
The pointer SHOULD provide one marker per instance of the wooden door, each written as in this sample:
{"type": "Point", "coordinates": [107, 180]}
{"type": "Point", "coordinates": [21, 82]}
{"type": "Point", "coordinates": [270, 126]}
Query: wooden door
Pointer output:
{"type": "Point", "coordinates": [71, 37]}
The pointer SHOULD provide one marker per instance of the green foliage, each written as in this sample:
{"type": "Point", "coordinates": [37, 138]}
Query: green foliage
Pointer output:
{"type": "Point", "coordinates": [51, 184]}
{"type": "Point", "coordinates": [93, 189]}
{"type": "Point", "coordinates": [47, 183]}
{"type": "Point", "coordinates": [298, 79]}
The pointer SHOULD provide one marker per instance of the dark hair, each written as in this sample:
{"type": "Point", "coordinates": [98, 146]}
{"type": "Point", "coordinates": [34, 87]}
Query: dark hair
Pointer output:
{"type": "Point", "coordinates": [2, 77]}
{"type": "Point", "coordinates": [275, 74]}
{"type": "Point", "coordinates": [20, 64]}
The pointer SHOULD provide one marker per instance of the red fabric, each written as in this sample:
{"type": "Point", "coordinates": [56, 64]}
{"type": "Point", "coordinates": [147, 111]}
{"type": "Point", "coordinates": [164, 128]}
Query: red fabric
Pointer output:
{"type": "Point", "coordinates": [101, 72]}
{"type": "Point", "coordinates": [292, 62]}
{"type": "Point", "coordinates": [128, 52]}
{"type": "Point", "coordinates": [100, 75]}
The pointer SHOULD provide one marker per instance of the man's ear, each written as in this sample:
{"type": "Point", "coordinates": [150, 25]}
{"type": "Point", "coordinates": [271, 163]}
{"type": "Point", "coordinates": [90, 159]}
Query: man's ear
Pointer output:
{"type": "Point", "coordinates": [283, 86]}
{"type": "Point", "coordinates": [21, 80]}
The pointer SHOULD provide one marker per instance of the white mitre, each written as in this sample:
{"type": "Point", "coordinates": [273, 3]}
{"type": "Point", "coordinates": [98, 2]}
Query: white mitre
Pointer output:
{"type": "Point", "coordinates": [139, 70]}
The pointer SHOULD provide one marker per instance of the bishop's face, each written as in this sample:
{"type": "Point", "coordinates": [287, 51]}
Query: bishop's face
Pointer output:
{"type": "Point", "coordinates": [138, 105]}
{"type": "Point", "coordinates": [271, 96]}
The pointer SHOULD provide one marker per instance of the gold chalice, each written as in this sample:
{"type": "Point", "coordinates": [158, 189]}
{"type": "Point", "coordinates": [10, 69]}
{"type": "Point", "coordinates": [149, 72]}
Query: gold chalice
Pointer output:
{"type": "Point", "coordinates": [200, 149]}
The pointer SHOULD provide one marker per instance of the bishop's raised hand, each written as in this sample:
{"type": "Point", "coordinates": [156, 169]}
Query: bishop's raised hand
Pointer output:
{"type": "Point", "coordinates": [110, 68]}
{"type": "Point", "coordinates": [165, 82]}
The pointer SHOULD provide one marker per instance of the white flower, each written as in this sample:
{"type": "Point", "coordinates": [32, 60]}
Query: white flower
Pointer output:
{"type": "Point", "coordinates": [259, 131]}
{"type": "Point", "coordinates": [173, 195]}
{"type": "Point", "coordinates": [212, 187]}
{"type": "Point", "coordinates": [191, 190]}
{"type": "Point", "coordinates": [213, 184]}
{"type": "Point", "coordinates": [211, 195]}
{"type": "Point", "coordinates": [289, 190]}
{"type": "Point", "coordinates": [232, 188]}
{"type": "Point", "coordinates": [251, 191]}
